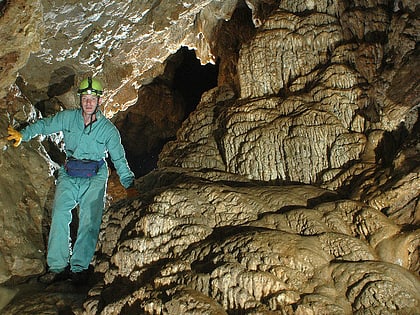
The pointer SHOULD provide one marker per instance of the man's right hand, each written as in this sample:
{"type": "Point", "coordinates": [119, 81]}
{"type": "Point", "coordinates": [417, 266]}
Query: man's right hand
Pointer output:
{"type": "Point", "coordinates": [14, 135]}
{"type": "Point", "coordinates": [132, 192]}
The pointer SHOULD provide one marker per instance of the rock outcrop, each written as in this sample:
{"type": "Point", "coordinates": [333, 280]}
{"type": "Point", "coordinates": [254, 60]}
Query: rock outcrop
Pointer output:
{"type": "Point", "coordinates": [215, 243]}
{"type": "Point", "coordinates": [292, 188]}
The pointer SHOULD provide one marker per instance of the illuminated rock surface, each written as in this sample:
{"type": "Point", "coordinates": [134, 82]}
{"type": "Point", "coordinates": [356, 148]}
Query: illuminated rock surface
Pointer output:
{"type": "Point", "coordinates": [292, 188]}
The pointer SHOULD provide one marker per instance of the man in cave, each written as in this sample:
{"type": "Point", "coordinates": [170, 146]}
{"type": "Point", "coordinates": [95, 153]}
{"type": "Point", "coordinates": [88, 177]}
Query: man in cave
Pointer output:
{"type": "Point", "coordinates": [88, 136]}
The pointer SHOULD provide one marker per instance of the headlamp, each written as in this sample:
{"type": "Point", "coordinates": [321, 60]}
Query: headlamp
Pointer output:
{"type": "Point", "coordinates": [87, 87]}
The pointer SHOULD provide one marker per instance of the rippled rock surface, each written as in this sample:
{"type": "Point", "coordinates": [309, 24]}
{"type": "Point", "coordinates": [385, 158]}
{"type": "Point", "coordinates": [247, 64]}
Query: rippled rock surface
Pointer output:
{"type": "Point", "coordinates": [292, 187]}
{"type": "Point", "coordinates": [210, 243]}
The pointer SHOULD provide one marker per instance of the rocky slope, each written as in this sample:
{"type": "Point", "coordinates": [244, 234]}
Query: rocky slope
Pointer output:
{"type": "Point", "coordinates": [292, 188]}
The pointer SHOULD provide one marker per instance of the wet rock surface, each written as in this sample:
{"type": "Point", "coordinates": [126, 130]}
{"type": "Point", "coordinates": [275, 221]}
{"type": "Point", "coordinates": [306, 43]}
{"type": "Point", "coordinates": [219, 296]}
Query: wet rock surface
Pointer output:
{"type": "Point", "coordinates": [34, 297]}
{"type": "Point", "coordinates": [292, 188]}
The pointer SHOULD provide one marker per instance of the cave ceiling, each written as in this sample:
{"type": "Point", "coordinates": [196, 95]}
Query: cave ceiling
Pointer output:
{"type": "Point", "coordinates": [125, 44]}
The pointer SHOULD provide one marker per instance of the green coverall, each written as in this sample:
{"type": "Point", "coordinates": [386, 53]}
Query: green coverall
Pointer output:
{"type": "Point", "coordinates": [92, 142]}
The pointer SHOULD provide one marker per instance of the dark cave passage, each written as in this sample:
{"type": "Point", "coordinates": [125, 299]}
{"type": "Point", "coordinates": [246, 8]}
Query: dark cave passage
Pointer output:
{"type": "Point", "coordinates": [191, 79]}
{"type": "Point", "coordinates": [166, 103]}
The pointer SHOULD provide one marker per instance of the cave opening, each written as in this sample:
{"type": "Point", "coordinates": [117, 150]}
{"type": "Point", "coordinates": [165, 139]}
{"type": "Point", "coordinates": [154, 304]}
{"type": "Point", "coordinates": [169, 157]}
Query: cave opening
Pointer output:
{"type": "Point", "coordinates": [161, 108]}
{"type": "Point", "coordinates": [191, 79]}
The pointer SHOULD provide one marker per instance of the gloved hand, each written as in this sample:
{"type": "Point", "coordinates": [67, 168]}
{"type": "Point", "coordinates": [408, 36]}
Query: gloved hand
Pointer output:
{"type": "Point", "coordinates": [14, 135]}
{"type": "Point", "coordinates": [132, 192]}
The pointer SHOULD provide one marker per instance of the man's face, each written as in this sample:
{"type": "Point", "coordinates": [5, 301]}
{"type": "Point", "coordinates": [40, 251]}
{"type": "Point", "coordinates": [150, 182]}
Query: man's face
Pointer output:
{"type": "Point", "coordinates": [89, 103]}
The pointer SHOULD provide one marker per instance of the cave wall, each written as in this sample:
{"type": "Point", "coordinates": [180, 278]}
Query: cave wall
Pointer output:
{"type": "Point", "coordinates": [47, 49]}
{"type": "Point", "coordinates": [292, 187]}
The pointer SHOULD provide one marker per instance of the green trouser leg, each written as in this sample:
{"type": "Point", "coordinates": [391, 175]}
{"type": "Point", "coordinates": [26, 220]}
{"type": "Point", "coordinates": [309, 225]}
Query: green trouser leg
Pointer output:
{"type": "Point", "coordinates": [89, 194]}
{"type": "Point", "coordinates": [91, 206]}
{"type": "Point", "coordinates": [58, 254]}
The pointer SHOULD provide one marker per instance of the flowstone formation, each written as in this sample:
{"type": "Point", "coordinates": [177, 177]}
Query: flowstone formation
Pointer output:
{"type": "Point", "coordinates": [215, 243]}
{"type": "Point", "coordinates": [207, 242]}
{"type": "Point", "coordinates": [292, 188]}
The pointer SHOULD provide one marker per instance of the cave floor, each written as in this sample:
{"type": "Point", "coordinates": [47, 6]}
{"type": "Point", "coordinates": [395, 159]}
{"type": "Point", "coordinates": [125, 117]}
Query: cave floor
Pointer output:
{"type": "Point", "coordinates": [34, 297]}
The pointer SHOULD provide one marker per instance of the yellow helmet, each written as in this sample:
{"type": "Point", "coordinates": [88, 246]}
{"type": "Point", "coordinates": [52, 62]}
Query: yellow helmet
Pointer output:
{"type": "Point", "coordinates": [90, 86]}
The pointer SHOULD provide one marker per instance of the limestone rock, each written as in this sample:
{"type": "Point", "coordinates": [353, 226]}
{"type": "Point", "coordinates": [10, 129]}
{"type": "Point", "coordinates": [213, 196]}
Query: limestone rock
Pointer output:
{"type": "Point", "coordinates": [262, 137]}
{"type": "Point", "coordinates": [124, 45]}
{"type": "Point", "coordinates": [20, 36]}
{"type": "Point", "coordinates": [23, 216]}
{"type": "Point", "coordinates": [249, 248]}
{"type": "Point", "coordinates": [292, 188]}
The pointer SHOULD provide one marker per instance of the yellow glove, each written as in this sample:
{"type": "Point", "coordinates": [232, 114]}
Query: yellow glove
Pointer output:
{"type": "Point", "coordinates": [14, 135]}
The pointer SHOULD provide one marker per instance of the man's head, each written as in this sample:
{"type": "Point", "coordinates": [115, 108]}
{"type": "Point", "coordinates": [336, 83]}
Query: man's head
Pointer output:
{"type": "Point", "coordinates": [90, 91]}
